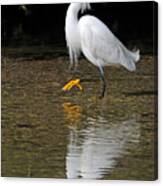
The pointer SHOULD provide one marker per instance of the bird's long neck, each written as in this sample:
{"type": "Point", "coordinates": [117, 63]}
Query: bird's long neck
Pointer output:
{"type": "Point", "coordinates": [71, 26]}
{"type": "Point", "coordinates": [72, 13]}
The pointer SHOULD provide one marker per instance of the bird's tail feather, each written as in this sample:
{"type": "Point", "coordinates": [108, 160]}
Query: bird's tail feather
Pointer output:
{"type": "Point", "coordinates": [130, 65]}
{"type": "Point", "coordinates": [135, 55]}
{"type": "Point", "coordinates": [85, 6]}
{"type": "Point", "coordinates": [129, 58]}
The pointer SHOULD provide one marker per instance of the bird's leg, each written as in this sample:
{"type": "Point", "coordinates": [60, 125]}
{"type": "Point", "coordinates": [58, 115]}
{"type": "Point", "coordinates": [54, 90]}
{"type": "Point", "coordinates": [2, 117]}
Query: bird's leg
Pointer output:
{"type": "Point", "coordinates": [70, 65]}
{"type": "Point", "coordinates": [71, 59]}
{"type": "Point", "coordinates": [76, 66]}
{"type": "Point", "coordinates": [76, 63]}
{"type": "Point", "coordinates": [103, 81]}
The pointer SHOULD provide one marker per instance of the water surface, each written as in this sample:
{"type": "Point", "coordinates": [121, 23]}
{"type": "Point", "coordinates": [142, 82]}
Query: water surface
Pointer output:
{"type": "Point", "coordinates": [50, 133]}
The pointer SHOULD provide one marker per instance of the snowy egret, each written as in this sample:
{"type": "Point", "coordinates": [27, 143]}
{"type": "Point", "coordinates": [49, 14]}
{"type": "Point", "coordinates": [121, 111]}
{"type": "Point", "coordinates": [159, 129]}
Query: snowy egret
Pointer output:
{"type": "Point", "coordinates": [95, 40]}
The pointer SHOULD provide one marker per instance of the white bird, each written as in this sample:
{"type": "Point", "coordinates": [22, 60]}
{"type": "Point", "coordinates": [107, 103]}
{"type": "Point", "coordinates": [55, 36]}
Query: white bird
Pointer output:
{"type": "Point", "coordinates": [95, 40]}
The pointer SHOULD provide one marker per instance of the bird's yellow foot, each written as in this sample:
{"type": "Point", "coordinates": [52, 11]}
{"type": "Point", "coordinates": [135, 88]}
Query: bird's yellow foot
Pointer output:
{"type": "Point", "coordinates": [71, 84]}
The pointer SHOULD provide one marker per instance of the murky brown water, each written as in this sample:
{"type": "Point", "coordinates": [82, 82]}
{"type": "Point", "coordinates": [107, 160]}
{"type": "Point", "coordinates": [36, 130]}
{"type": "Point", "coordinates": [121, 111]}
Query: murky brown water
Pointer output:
{"type": "Point", "coordinates": [50, 133]}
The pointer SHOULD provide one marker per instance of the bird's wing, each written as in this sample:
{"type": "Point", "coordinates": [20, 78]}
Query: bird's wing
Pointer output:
{"type": "Point", "coordinates": [100, 43]}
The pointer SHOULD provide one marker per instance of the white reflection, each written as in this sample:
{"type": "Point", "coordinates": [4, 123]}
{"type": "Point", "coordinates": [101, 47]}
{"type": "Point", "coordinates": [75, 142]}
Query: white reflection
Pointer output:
{"type": "Point", "coordinates": [93, 151]}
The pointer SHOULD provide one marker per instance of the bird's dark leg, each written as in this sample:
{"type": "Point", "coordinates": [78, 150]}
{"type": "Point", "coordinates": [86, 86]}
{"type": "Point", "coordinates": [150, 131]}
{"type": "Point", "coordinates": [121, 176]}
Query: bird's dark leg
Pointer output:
{"type": "Point", "coordinates": [70, 65]}
{"type": "Point", "coordinates": [76, 63]}
{"type": "Point", "coordinates": [71, 59]}
{"type": "Point", "coordinates": [103, 82]}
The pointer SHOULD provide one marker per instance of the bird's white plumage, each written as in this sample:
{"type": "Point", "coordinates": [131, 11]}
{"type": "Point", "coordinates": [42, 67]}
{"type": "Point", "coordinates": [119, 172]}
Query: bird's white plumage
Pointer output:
{"type": "Point", "coordinates": [99, 44]}
{"type": "Point", "coordinates": [72, 33]}
{"type": "Point", "coordinates": [92, 37]}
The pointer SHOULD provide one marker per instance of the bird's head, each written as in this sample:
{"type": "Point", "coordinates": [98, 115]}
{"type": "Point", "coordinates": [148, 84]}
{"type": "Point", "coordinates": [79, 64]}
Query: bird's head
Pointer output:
{"type": "Point", "coordinates": [85, 6]}
{"type": "Point", "coordinates": [76, 7]}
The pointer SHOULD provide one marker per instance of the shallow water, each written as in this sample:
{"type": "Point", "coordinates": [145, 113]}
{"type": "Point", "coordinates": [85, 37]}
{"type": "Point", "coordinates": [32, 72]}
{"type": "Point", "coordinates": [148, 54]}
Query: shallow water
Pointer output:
{"type": "Point", "coordinates": [50, 133]}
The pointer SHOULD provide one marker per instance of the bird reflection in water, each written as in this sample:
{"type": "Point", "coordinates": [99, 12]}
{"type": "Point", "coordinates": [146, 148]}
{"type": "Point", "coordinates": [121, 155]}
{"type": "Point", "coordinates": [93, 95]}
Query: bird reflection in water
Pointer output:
{"type": "Point", "coordinates": [72, 112]}
{"type": "Point", "coordinates": [94, 149]}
